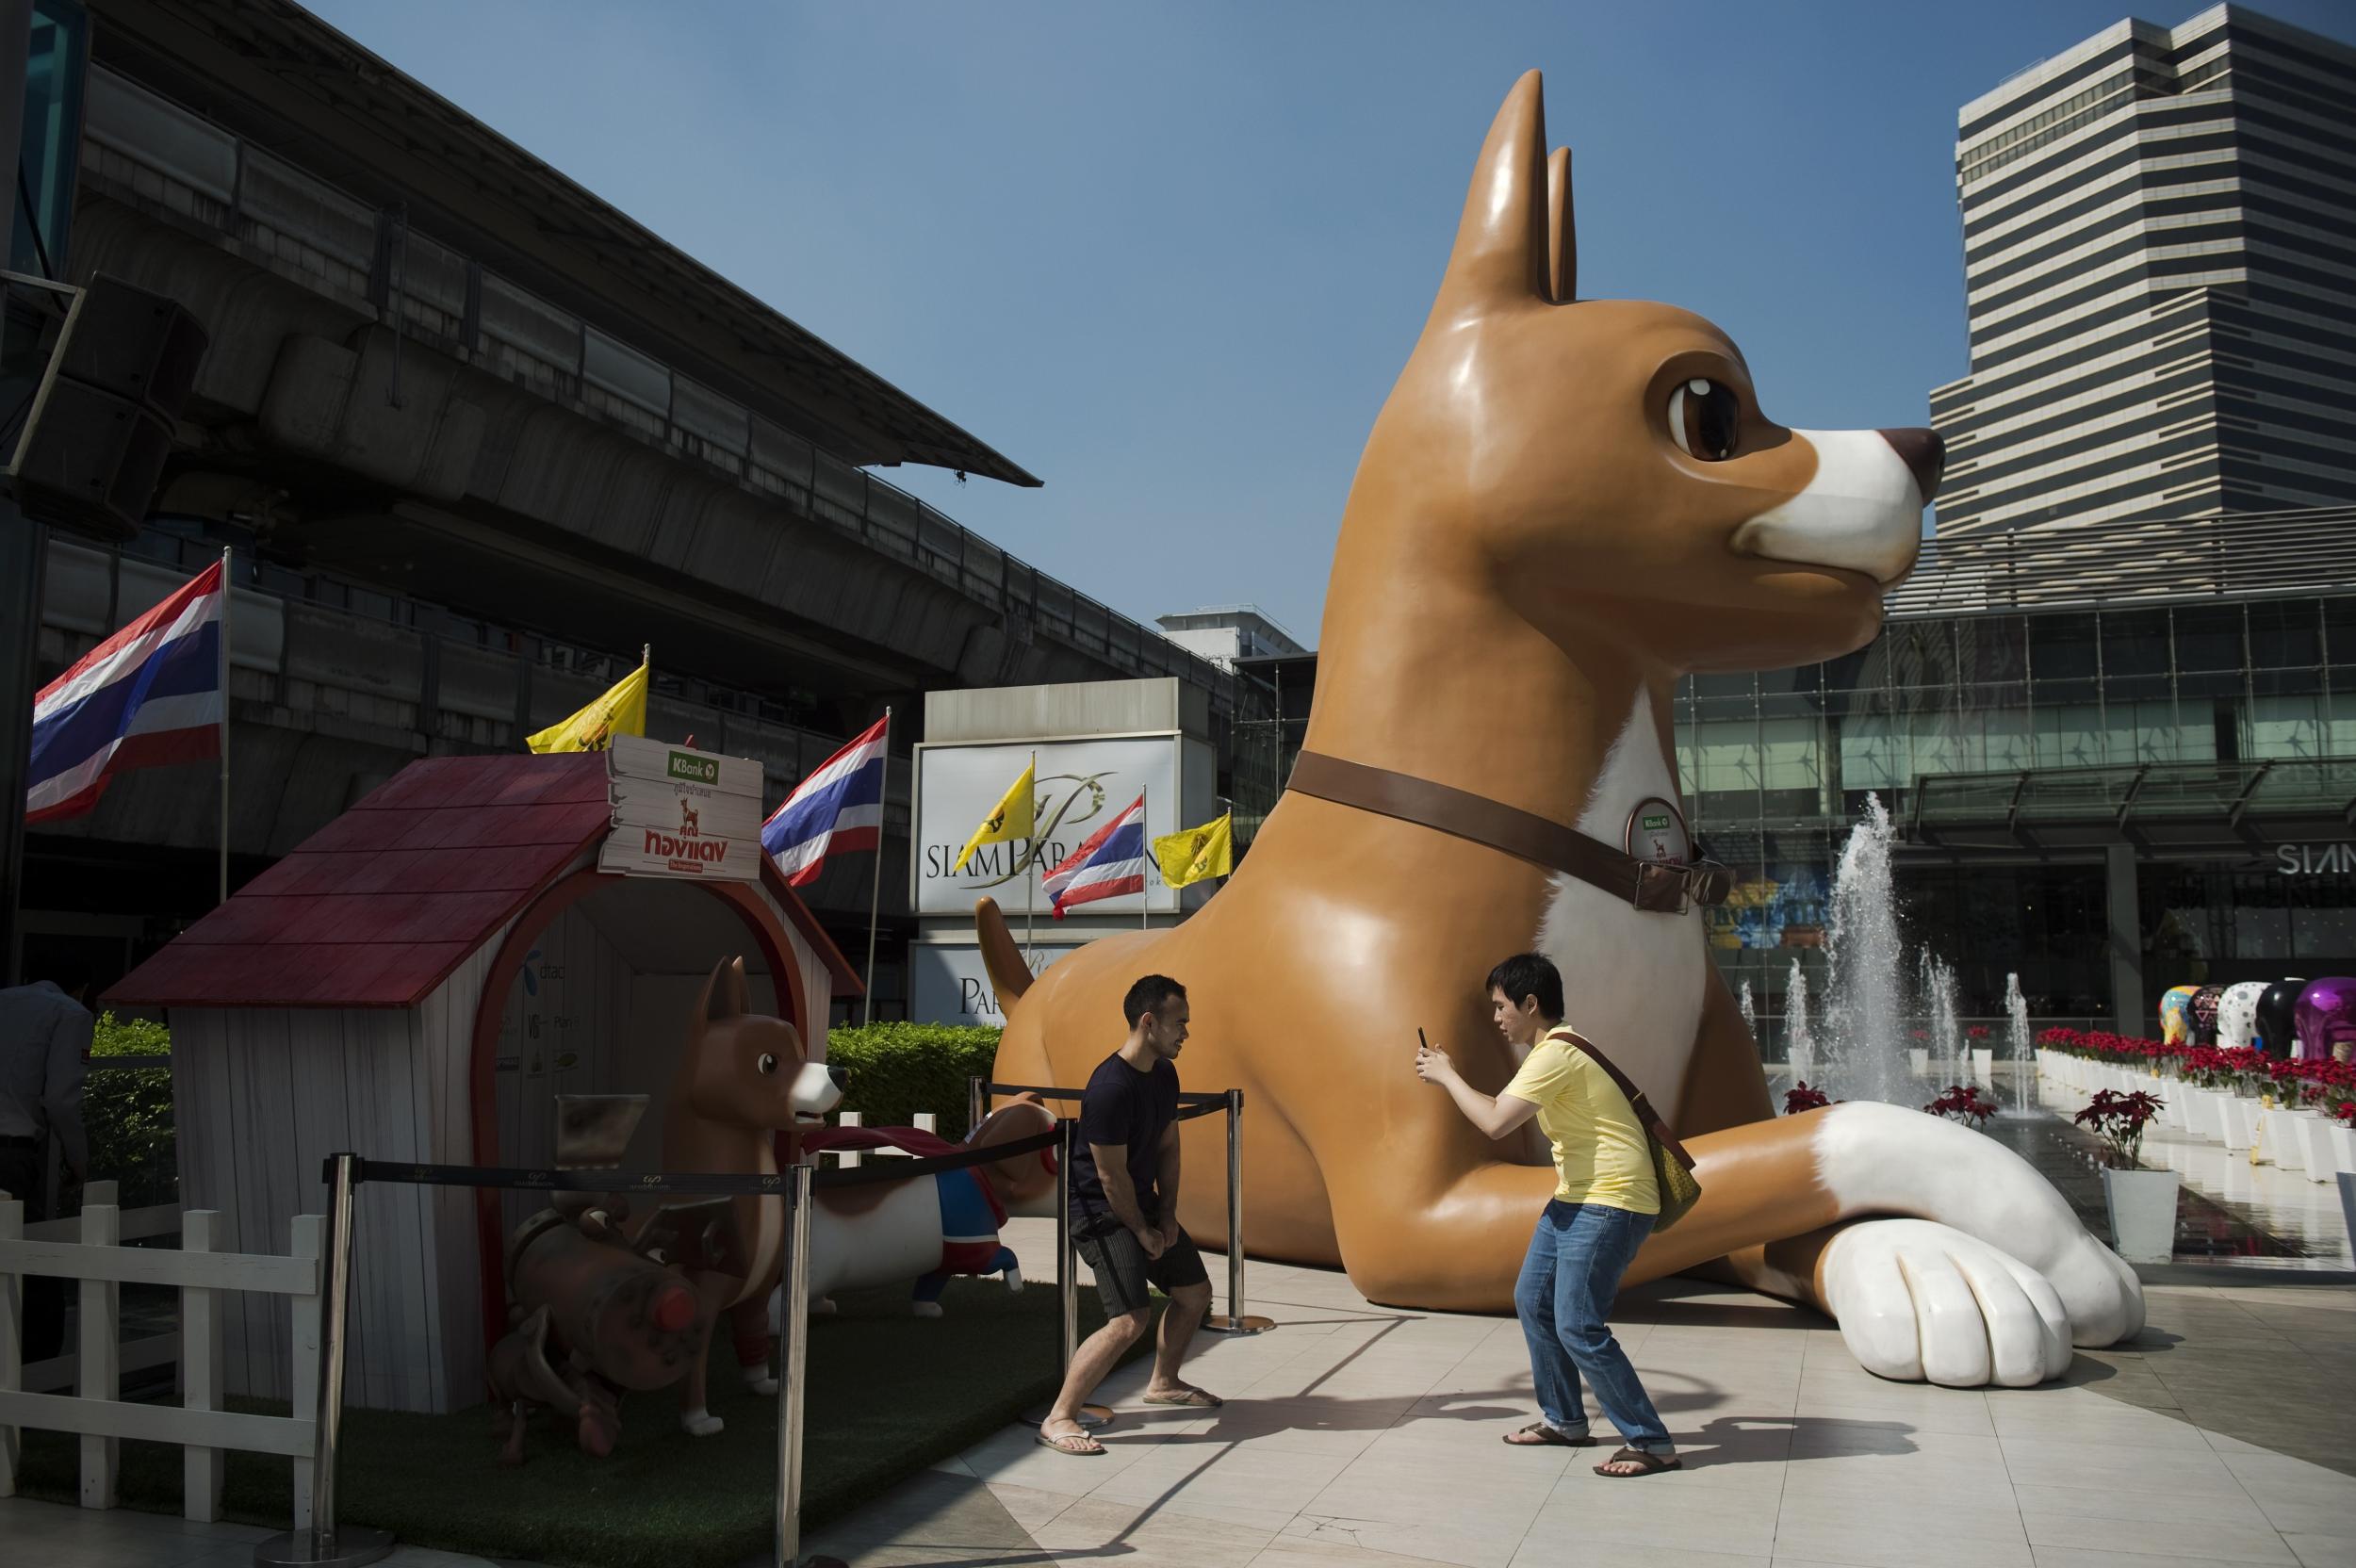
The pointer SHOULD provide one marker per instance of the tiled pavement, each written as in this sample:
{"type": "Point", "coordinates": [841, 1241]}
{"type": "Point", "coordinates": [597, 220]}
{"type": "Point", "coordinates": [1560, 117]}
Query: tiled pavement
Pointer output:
{"type": "Point", "coordinates": [1360, 1437]}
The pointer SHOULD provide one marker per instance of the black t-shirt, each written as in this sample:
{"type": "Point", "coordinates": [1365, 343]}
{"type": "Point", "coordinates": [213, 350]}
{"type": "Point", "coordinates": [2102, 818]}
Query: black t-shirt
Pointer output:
{"type": "Point", "coordinates": [1133, 1109]}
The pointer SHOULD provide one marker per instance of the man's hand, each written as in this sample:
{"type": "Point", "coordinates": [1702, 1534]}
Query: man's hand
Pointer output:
{"type": "Point", "coordinates": [1151, 1240]}
{"type": "Point", "coordinates": [1169, 1234]}
{"type": "Point", "coordinates": [1432, 1065]}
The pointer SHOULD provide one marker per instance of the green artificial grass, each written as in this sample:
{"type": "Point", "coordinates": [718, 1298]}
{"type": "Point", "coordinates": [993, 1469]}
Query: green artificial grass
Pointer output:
{"type": "Point", "coordinates": [888, 1395]}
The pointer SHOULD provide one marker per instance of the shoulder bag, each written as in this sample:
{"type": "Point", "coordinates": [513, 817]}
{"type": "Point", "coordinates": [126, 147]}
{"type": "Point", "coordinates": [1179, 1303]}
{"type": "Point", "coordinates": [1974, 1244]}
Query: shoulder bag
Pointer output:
{"type": "Point", "coordinates": [1672, 1168]}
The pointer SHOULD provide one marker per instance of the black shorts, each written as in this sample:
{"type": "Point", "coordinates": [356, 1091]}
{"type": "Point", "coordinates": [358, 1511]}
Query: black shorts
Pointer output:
{"type": "Point", "coordinates": [1123, 1270]}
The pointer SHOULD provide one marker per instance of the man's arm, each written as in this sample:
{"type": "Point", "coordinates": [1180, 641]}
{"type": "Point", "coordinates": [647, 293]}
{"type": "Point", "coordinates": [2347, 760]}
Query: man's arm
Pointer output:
{"type": "Point", "coordinates": [1166, 1183]}
{"type": "Point", "coordinates": [1495, 1117]}
{"type": "Point", "coordinates": [1120, 1195]}
{"type": "Point", "coordinates": [61, 1085]}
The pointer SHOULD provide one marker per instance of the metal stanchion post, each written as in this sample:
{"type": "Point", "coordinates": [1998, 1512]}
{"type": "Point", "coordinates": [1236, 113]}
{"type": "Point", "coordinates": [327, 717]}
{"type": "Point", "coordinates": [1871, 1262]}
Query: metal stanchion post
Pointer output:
{"type": "Point", "coordinates": [1235, 1320]}
{"type": "Point", "coordinates": [796, 1358]}
{"type": "Point", "coordinates": [977, 1106]}
{"type": "Point", "coordinates": [1068, 1273]}
{"type": "Point", "coordinates": [323, 1545]}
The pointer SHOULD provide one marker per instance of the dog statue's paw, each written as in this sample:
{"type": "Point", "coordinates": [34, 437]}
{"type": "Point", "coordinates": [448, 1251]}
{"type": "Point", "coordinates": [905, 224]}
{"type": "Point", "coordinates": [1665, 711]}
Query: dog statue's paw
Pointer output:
{"type": "Point", "coordinates": [701, 1423]}
{"type": "Point", "coordinates": [1918, 1302]}
{"type": "Point", "coordinates": [1014, 1277]}
{"type": "Point", "coordinates": [757, 1381]}
{"type": "Point", "coordinates": [924, 1308]}
{"type": "Point", "coordinates": [1881, 1157]}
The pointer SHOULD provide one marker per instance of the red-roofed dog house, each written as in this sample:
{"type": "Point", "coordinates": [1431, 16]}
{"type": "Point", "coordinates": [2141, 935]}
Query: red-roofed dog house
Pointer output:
{"type": "Point", "coordinates": [417, 982]}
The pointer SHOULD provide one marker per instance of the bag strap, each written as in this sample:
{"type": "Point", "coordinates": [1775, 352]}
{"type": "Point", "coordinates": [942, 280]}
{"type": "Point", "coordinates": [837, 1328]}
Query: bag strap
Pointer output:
{"type": "Point", "coordinates": [1651, 1120]}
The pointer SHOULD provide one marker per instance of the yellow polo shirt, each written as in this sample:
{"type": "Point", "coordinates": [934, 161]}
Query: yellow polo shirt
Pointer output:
{"type": "Point", "coordinates": [1601, 1154]}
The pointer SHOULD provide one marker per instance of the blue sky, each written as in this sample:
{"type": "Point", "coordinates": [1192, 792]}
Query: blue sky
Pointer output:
{"type": "Point", "coordinates": [1169, 257]}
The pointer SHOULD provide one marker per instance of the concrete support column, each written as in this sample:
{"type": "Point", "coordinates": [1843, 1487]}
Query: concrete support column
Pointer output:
{"type": "Point", "coordinates": [2126, 943]}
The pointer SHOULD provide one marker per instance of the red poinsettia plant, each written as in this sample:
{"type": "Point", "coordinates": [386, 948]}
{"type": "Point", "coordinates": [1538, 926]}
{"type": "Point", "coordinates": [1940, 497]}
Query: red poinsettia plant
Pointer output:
{"type": "Point", "coordinates": [2119, 1120]}
{"type": "Point", "coordinates": [1977, 1031]}
{"type": "Point", "coordinates": [1804, 1099]}
{"type": "Point", "coordinates": [1962, 1102]}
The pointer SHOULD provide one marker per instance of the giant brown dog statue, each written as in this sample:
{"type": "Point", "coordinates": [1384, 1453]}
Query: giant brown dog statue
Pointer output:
{"type": "Point", "coordinates": [1564, 505]}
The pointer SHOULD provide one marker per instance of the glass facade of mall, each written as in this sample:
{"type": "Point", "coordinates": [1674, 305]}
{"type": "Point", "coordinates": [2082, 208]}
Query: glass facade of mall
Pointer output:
{"type": "Point", "coordinates": [2014, 752]}
{"type": "Point", "coordinates": [2172, 772]}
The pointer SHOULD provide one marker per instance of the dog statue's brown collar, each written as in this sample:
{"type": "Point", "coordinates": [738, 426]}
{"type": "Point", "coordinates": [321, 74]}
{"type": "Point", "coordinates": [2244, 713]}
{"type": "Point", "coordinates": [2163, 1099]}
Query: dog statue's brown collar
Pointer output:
{"type": "Point", "coordinates": [1661, 886]}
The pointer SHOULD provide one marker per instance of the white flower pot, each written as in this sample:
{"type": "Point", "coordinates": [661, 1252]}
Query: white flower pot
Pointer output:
{"type": "Point", "coordinates": [1918, 1063]}
{"type": "Point", "coordinates": [2240, 1119]}
{"type": "Point", "coordinates": [2348, 1202]}
{"type": "Point", "coordinates": [2314, 1141]}
{"type": "Point", "coordinates": [2143, 1213]}
{"type": "Point", "coordinates": [1984, 1066]}
{"type": "Point", "coordinates": [2279, 1142]}
{"type": "Point", "coordinates": [2343, 1147]}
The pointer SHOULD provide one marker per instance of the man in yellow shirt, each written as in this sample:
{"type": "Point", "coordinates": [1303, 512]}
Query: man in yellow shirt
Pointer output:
{"type": "Point", "coordinates": [1605, 1199]}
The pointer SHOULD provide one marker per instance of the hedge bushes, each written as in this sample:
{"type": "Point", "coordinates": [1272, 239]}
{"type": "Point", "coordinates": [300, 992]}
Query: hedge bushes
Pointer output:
{"type": "Point", "coordinates": [126, 1114]}
{"type": "Point", "coordinates": [897, 1069]}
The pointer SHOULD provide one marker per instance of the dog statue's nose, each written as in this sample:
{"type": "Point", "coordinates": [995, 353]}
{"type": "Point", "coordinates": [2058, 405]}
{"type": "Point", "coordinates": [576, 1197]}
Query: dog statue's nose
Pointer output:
{"type": "Point", "coordinates": [1925, 455]}
{"type": "Point", "coordinates": [841, 1079]}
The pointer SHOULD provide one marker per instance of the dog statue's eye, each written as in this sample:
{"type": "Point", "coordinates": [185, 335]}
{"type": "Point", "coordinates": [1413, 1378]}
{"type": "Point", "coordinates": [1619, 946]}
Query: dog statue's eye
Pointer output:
{"type": "Point", "coordinates": [767, 1064]}
{"type": "Point", "coordinates": [1705, 420]}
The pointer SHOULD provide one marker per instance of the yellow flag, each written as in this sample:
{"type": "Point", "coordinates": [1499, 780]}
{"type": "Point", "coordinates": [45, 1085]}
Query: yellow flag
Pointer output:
{"type": "Point", "coordinates": [619, 711]}
{"type": "Point", "coordinates": [1011, 821]}
{"type": "Point", "coordinates": [1197, 852]}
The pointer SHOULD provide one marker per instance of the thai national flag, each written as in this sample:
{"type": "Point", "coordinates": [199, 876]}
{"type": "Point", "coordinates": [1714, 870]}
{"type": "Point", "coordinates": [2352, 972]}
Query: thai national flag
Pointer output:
{"type": "Point", "coordinates": [1112, 862]}
{"type": "Point", "coordinates": [149, 695]}
{"type": "Point", "coordinates": [837, 807]}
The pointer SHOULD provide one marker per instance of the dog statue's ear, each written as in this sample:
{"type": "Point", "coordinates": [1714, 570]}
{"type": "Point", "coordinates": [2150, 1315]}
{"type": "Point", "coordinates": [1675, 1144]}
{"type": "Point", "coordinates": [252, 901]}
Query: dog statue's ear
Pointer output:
{"type": "Point", "coordinates": [1503, 255]}
{"type": "Point", "coordinates": [1562, 228]}
{"type": "Point", "coordinates": [724, 993]}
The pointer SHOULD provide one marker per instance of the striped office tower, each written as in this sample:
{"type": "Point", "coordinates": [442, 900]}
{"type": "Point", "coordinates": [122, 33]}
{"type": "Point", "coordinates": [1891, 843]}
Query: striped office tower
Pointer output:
{"type": "Point", "coordinates": [2159, 232]}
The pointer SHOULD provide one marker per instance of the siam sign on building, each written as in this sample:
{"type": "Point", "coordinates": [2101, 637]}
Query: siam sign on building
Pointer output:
{"type": "Point", "coordinates": [1082, 786]}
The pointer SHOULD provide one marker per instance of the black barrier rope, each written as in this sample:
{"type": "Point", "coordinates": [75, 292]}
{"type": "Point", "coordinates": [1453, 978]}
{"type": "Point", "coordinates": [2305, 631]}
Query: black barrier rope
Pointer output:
{"type": "Point", "coordinates": [773, 1184]}
{"type": "Point", "coordinates": [900, 1169]}
{"type": "Point", "coordinates": [776, 1184]}
{"type": "Point", "coordinates": [1185, 1097]}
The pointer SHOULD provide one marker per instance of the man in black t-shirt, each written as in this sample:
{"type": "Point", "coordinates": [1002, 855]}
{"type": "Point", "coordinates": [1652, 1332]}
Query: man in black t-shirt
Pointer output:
{"type": "Point", "coordinates": [1124, 1214]}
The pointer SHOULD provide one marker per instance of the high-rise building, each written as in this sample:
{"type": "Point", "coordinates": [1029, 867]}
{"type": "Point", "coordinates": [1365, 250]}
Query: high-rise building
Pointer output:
{"type": "Point", "coordinates": [2160, 266]}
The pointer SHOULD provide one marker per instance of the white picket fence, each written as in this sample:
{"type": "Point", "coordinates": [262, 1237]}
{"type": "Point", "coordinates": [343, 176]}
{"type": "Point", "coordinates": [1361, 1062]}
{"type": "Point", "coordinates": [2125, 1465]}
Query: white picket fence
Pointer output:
{"type": "Point", "coordinates": [102, 1265]}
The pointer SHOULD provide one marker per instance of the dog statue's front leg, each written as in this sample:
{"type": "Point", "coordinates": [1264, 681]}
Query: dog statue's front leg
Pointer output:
{"type": "Point", "coordinates": [1959, 1264]}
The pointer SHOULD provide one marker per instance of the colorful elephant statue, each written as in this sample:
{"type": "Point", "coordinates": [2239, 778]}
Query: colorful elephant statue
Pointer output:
{"type": "Point", "coordinates": [2278, 1017]}
{"type": "Point", "coordinates": [2326, 1019]}
{"type": "Point", "coordinates": [2176, 1014]}
{"type": "Point", "coordinates": [2238, 1014]}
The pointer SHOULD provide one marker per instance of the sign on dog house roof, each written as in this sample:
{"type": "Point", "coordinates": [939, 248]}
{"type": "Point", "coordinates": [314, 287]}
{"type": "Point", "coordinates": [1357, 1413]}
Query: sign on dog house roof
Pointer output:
{"type": "Point", "coordinates": [380, 907]}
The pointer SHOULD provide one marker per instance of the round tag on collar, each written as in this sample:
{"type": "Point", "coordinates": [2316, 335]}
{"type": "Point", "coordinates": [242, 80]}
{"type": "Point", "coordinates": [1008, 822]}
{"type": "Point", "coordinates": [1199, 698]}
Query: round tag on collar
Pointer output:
{"type": "Point", "coordinates": [1656, 832]}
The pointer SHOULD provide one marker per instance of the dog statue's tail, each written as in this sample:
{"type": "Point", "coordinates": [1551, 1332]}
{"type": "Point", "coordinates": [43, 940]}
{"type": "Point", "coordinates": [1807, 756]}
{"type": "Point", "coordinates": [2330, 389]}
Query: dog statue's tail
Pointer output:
{"type": "Point", "coordinates": [1010, 976]}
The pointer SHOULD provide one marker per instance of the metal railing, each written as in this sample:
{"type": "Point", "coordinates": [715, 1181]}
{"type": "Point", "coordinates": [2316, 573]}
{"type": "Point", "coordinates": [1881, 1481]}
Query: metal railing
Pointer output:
{"type": "Point", "coordinates": [371, 261]}
{"type": "Point", "coordinates": [2239, 555]}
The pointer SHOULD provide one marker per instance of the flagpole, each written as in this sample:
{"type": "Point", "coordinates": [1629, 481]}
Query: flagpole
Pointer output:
{"type": "Point", "coordinates": [225, 573]}
{"type": "Point", "coordinates": [1145, 871]}
{"type": "Point", "coordinates": [875, 888]}
{"type": "Point", "coordinates": [1030, 883]}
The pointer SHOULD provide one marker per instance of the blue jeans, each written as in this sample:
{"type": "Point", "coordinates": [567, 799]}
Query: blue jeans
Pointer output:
{"type": "Point", "coordinates": [1576, 1256]}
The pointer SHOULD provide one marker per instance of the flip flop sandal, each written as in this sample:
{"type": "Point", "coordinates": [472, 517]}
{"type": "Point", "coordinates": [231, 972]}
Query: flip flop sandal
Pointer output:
{"type": "Point", "coordinates": [1192, 1399]}
{"type": "Point", "coordinates": [1653, 1463]}
{"type": "Point", "coordinates": [1540, 1435]}
{"type": "Point", "coordinates": [1079, 1445]}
